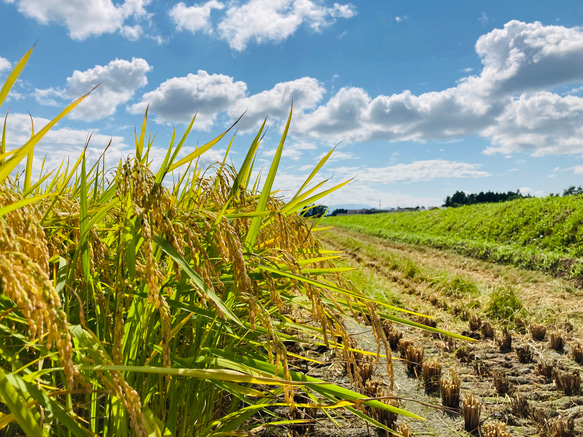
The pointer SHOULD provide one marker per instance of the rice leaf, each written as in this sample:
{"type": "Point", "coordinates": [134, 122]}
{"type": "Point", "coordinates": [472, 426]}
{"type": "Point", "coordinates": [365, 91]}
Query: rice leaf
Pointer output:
{"type": "Point", "coordinates": [196, 279]}
{"type": "Point", "coordinates": [14, 75]}
{"type": "Point", "coordinates": [256, 223]}
{"type": "Point", "coordinates": [314, 173]}
{"type": "Point", "coordinates": [14, 399]}
{"type": "Point", "coordinates": [11, 164]}
{"type": "Point", "coordinates": [23, 202]}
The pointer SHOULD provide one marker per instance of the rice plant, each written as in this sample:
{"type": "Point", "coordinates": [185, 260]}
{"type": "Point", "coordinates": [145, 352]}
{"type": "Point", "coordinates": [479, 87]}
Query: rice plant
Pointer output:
{"type": "Point", "coordinates": [132, 306]}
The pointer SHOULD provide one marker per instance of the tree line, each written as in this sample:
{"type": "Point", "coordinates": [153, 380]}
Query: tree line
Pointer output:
{"type": "Point", "coordinates": [460, 198]}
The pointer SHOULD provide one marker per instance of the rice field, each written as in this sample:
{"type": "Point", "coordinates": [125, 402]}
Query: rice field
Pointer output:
{"type": "Point", "coordinates": [132, 305]}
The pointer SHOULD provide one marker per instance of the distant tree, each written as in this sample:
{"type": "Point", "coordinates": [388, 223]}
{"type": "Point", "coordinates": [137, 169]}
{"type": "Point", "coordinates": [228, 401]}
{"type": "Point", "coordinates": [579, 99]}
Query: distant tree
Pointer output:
{"type": "Point", "coordinates": [573, 191]}
{"type": "Point", "coordinates": [460, 198]}
{"type": "Point", "coordinates": [315, 211]}
{"type": "Point", "coordinates": [338, 211]}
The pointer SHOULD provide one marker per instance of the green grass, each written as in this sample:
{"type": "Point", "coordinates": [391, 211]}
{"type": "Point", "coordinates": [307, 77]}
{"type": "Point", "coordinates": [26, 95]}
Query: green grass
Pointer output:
{"type": "Point", "coordinates": [503, 304]}
{"type": "Point", "coordinates": [536, 233]}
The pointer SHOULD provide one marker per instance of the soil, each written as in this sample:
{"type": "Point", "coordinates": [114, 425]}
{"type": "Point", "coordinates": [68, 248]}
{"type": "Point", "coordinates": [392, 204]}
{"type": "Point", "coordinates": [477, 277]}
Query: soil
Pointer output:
{"type": "Point", "coordinates": [531, 388]}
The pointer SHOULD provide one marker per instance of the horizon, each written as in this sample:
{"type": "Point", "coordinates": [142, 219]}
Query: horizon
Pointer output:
{"type": "Point", "coordinates": [420, 99]}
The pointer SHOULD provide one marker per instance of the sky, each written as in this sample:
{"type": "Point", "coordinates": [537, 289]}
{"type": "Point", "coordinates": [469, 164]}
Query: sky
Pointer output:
{"type": "Point", "coordinates": [420, 98]}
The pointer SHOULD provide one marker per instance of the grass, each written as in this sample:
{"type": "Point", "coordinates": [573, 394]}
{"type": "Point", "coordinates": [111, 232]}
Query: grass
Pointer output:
{"type": "Point", "coordinates": [536, 233]}
{"type": "Point", "coordinates": [135, 306]}
{"type": "Point", "coordinates": [503, 304]}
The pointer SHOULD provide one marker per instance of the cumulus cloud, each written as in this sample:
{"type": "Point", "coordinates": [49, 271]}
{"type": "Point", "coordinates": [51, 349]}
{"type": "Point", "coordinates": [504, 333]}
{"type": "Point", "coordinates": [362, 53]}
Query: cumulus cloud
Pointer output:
{"type": "Point", "coordinates": [529, 56]}
{"type": "Point", "coordinates": [85, 19]}
{"type": "Point", "coordinates": [179, 98]}
{"type": "Point", "coordinates": [542, 123]}
{"type": "Point", "coordinates": [117, 82]}
{"type": "Point", "coordinates": [263, 21]}
{"type": "Point", "coordinates": [276, 102]}
{"type": "Point", "coordinates": [522, 63]}
{"type": "Point", "coordinates": [194, 18]}
{"type": "Point", "coordinates": [4, 64]}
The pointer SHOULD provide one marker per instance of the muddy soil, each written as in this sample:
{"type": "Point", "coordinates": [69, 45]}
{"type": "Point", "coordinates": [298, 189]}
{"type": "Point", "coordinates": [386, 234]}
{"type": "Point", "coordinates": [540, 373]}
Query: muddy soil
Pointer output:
{"type": "Point", "coordinates": [529, 386]}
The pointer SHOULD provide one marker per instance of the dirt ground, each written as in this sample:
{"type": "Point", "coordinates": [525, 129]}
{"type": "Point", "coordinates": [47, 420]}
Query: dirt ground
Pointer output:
{"type": "Point", "coordinates": [528, 386]}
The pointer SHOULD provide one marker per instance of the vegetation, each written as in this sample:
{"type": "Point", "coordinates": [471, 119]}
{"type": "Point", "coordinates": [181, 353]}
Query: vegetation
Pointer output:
{"type": "Point", "coordinates": [536, 233]}
{"type": "Point", "coordinates": [315, 211]}
{"type": "Point", "coordinates": [338, 211]}
{"type": "Point", "coordinates": [133, 306]}
{"type": "Point", "coordinates": [460, 198]}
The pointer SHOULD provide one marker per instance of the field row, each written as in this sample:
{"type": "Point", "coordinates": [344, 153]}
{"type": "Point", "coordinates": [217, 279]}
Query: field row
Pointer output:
{"type": "Point", "coordinates": [521, 375]}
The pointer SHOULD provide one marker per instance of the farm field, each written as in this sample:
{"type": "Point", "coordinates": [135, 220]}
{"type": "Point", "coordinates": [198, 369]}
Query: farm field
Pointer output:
{"type": "Point", "coordinates": [132, 305]}
{"type": "Point", "coordinates": [531, 385]}
{"type": "Point", "coordinates": [543, 234]}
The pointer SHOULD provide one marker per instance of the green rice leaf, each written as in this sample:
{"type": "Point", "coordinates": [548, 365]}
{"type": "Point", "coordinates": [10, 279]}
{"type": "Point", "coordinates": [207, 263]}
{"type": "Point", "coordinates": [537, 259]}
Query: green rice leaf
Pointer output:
{"type": "Point", "coordinates": [314, 172]}
{"type": "Point", "coordinates": [200, 150]}
{"type": "Point", "coordinates": [23, 202]}
{"type": "Point", "coordinates": [256, 223]}
{"type": "Point", "coordinates": [14, 75]}
{"type": "Point", "coordinates": [14, 399]}
{"type": "Point", "coordinates": [196, 279]}
{"type": "Point", "coordinates": [20, 153]}
{"type": "Point", "coordinates": [3, 141]}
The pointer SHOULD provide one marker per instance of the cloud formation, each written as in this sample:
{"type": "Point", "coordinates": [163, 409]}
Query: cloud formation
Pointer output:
{"type": "Point", "coordinates": [264, 21]}
{"type": "Point", "coordinates": [4, 64]}
{"type": "Point", "coordinates": [194, 18]}
{"type": "Point", "coordinates": [522, 63]}
{"type": "Point", "coordinates": [118, 81]}
{"type": "Point", "coordinates": [86, 19]}
{"type": "Point", "coordinates": [305, 93]}
{"type": "Point", "coordinates": [179, 98]}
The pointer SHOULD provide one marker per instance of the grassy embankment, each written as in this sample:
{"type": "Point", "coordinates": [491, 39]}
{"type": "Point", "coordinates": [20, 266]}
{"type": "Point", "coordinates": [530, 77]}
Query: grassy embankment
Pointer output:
{"type": "Point", "coordinates": [543, 234]}
{"type": "Point", "coordinates": [134, 306]}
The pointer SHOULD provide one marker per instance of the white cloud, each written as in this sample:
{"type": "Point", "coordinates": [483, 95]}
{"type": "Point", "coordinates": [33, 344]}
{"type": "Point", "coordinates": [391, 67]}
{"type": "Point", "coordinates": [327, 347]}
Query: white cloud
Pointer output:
{"type": "Point", "coordinates": [522, 59]}
{"type": "Point", "coordinates": [179, 98]}
{"type": "Point", "coordinates": [84, 19]}
{"type": "Point", "coordinates": [483, 18]}
{"type": "Point", "coordinates": [49, 96]}
{"type": "Point", "coordinates": [293, 149]}
{"type": "Point", "coordinates": [194, 18]}
{"type": "Point", "coordinates": [414, 172]}
{"type": "Point", "coordinates": [117, 82]}
{"type": "Point", "coordinates": [529, 56]}
{"type": "Point", "coordinates": [276, 102]}
{"type": "Point", "coordinates": [133, 33]}
{"type": "Point", "coordinates": [4, 64]}
{"type": "Point", "coordinates": [541, 124]}
{"type": "Point", "coordinates": [338, 155]}
{"type": "Point", "coordinates": [264, 21]}
{"type": "Point", "coordinates": [532, 192]}
{"type": "Point", "coordinates": [400, 19]}
{"type": "Point", "coordinates": [342, 117]}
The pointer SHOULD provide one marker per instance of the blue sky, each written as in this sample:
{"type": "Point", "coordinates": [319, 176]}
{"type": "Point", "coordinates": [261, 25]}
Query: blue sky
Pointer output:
{"type": "Point", "coordinates": [423, 98]}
